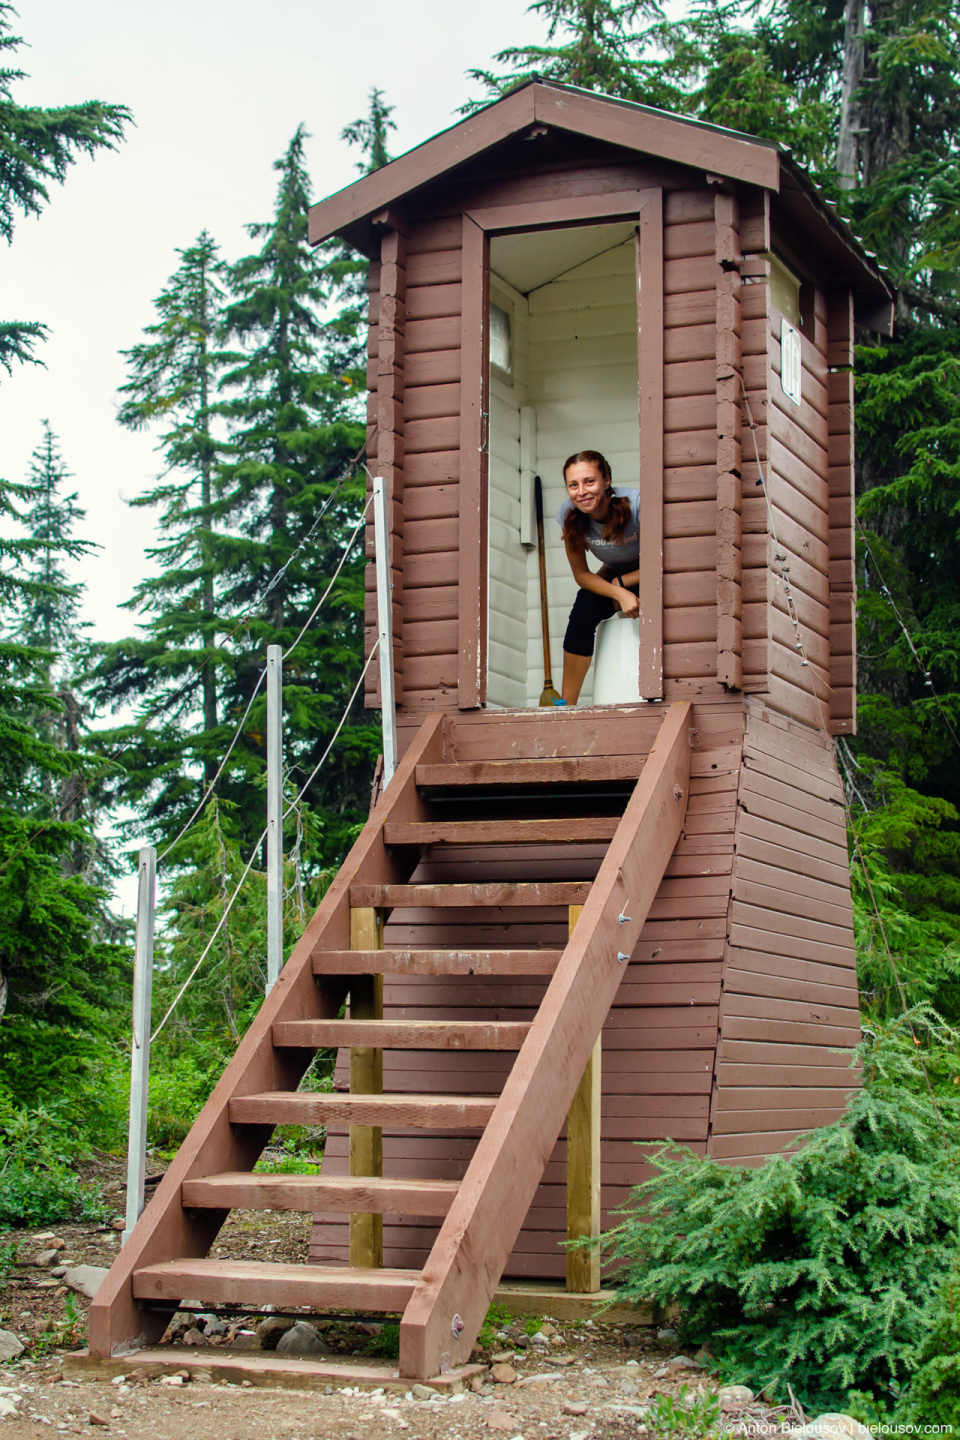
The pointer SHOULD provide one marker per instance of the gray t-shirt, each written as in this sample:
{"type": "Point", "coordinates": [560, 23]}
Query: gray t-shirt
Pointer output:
{"type": "Point", "coordinates": [618, 556]}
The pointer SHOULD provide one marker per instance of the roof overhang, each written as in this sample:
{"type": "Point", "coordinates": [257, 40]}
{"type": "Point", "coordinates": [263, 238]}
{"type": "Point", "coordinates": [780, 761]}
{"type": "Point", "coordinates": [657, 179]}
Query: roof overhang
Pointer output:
{"type": "Point", "coordinates": [562, 107]}
{"type": "Point", "coordinates": [719, 152]}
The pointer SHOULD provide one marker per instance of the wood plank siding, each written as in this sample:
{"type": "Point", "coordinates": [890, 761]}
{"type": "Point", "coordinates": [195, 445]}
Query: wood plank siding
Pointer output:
{"type": "Point", "coordinates": [789, 998]}
{"type": "Point", "coordinates": [431, 466]}
{"type": "Point", "coordinates": [716, 615]}
{"type": "Point", "coordinates": [843, 584]}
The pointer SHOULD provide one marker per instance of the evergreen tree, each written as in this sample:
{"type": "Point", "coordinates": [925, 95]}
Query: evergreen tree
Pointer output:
{"type": "Point", "coordinates": [36, 148]}
{"type": "Point", "coordinates": [603, 45]}
{"type": "Point", "coordinates": [49, 622]}
{"type": "Point", "coordinates": [258, 439]}
{"type": "Point", "coordinates": [293, 434]}
{"type": "Point", "coordinates": [171, 672]}
{"type": "Point", "coordinates": [867, 95]}
{"type": "Point", "coordinates": [371, 133]}
{"type": "Point", "coordinates": [58, 956]}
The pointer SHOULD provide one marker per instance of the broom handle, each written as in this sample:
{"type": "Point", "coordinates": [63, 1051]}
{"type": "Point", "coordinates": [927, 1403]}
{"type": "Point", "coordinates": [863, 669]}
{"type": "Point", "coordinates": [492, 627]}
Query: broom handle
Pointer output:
{"type": "Point", "coordinates": [541, 555]}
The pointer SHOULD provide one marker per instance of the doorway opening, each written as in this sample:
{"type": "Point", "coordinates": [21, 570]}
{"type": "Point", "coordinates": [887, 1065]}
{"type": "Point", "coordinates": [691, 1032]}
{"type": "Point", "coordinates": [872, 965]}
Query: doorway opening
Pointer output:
{"type": "Point", "coordinates": [563, 377]}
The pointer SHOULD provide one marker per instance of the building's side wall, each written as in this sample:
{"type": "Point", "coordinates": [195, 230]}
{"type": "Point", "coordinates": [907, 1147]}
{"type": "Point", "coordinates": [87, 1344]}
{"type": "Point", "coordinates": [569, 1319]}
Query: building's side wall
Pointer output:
{"type": "Point", "coordinates": [792, 503]}
{"type": "Point", "coordinates": [789, 971]}
{"type": "Point", "coordinates": [843, 583]}
{"type": "Point", "coordinates": [431, 465]}
{"type": "Point", "coordinates": [690, 445]}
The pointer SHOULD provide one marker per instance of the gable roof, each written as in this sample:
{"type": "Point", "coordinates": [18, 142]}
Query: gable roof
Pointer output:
{"type": "Point", "coordinates": [563, 107]}
{"type": "Point", "coordinates": [624, 123]}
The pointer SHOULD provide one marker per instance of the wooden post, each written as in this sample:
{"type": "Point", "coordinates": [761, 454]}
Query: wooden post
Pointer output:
{"type": "Point", "coordinates": [583, 1170]}
{"type": "Point", "coordinates": [366, 1078]}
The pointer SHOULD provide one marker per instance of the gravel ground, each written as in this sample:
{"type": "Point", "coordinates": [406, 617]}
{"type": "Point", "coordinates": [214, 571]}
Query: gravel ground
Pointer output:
{"type": "Point", "coordinates": [588, 1382]}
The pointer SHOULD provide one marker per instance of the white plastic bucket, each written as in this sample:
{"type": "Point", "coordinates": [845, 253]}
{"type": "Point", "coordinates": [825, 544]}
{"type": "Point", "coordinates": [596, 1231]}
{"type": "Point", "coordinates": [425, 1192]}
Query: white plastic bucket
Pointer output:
{"type": "Point", "coordinates": [616, 661]}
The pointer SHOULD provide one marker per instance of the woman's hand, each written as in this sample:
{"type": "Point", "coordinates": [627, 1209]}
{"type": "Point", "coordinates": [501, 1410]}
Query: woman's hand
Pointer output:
{"type": "Point", "coordinates": [627, 601]}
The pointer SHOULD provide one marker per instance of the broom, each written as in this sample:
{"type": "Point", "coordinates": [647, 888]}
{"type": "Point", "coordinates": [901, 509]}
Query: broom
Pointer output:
{"type": "Point", "coordinates": [548, 696]}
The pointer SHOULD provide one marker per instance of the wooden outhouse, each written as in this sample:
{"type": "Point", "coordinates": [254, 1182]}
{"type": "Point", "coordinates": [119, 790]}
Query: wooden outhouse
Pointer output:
{"type": "Point", "coordinates": [566, 931]}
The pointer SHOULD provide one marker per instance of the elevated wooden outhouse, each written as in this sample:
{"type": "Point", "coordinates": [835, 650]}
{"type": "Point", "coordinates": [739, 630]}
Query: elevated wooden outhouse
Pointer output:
{"type": "Point", "coordinates": [563, 932]}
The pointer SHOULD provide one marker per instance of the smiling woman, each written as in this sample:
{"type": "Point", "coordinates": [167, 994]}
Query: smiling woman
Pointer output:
{"type": "Point", "coordinates": [595, 518]}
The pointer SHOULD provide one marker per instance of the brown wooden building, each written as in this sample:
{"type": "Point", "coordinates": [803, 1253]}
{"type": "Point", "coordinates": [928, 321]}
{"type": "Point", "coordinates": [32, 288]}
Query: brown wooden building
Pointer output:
{"type": "Point", "coordinates": [564, 271]}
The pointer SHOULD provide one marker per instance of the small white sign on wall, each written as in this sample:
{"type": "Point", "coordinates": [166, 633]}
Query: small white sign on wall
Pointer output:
{"type": "Point", "coordinates": [790, 367]}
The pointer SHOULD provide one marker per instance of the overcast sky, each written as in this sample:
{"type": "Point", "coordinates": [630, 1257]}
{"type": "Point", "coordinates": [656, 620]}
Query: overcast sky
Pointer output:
{"type": "Point", "coordinates": [217, 89]}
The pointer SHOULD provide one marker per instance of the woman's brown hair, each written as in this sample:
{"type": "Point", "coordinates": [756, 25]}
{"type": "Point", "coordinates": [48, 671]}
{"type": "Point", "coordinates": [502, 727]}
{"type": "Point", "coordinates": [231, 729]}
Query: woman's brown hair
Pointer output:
{"type": "Point", "coordinates": [618, 516]}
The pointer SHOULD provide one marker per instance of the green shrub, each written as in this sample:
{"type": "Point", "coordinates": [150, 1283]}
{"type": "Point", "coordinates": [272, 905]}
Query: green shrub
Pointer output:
{"type": "Point", "coordinates": [38, 1148]}
{"type": "Point", "coordinates": [934, 1394]}
{"type": "Point", "coordinates": [81, 1076]}
{"type": "Point", "coordinates": [497, 1317]}
{"type": "Point", "coordinates": [820, 1267]}
{"type": "Point", "coordinates": [688, 1416]}
{"type": "Point", "coordinates": [179, 1088]}
{"type": "Point", "coordinates": [387, 1343]}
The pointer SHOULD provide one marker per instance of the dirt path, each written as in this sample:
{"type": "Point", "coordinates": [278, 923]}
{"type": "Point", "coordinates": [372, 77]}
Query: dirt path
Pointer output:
{"type": "Point", "coordinates": [581, 1381]}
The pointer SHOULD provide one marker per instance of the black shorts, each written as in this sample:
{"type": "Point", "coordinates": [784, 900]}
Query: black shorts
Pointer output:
{"type": "Point", "coordinates": [588, 610]}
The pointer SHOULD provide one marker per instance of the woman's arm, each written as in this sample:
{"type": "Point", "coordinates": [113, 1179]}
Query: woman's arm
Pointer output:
{"type": "Point", "coordinates": [588, 580]}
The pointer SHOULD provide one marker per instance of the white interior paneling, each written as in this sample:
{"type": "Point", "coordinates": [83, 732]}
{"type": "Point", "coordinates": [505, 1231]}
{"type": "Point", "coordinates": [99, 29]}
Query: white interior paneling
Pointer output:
{"type": "Point", "coordinates": [575, 364]}
{"type": "Point", "coordinates": [507, 581]}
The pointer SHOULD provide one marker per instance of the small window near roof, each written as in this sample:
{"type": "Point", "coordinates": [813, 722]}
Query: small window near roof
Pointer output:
{"type": "Point", "coordinates": [500, 351]}
{"type": "Point", "coordinates": [785, 291]}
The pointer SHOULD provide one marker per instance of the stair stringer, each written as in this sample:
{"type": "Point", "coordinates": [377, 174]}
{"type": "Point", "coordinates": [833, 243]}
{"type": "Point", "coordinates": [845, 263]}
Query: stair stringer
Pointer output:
{"type": "Point", "coordinates": [168, 1231]}
{"type": "Point", "coordinates": [445, 1313]}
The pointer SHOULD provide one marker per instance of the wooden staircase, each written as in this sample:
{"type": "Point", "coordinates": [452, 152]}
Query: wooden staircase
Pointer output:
{"type": "Point", "coordinates": [166, 1259]}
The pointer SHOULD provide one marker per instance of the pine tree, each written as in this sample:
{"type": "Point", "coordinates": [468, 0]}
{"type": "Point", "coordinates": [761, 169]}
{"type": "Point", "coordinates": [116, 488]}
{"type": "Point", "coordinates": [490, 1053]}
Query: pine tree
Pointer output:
{"type": "Point", "coordinates": [36, 148]}
{"type": "Point", "coordinates": [603, 45]}
{"type": "Point", "coordinates": [58, 955]}
{"type": "Point", "coordinates": [371, 133]}
{"type": "Point", "coordinates": [49, 621]}
{"type": "Point", "coordinates": [294, 431]}
{"type": "Point", "coordinates": [256, 374]}
{"type": "Point", "coordinates": [171, 672]}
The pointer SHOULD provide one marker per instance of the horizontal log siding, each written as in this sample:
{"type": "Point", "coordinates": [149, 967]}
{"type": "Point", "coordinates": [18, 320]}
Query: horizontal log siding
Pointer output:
{"type": "Point", "coordinates": [660, 1038]}
{"type": "Point", "coordinates": [690, 444]}
{"type": "Point", "coordinates": [758, 591]}
{"type": "Point", "coordinates": [431, 465]}
{"type": "Point", "coordinates": [843, 587]}
{"type": "Point", "coordinates": [789, 971]}
{"type": "Point", "coordinates": [371, 685]}
{"type": "Point", "coordinates": [793, 446]}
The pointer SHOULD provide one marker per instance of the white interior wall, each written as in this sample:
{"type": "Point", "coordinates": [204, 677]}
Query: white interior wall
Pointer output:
{"type": "Point", "coordinates": [575, 363]}
{"type": "Point", "coordinates": [582, 382]}
{"type": "Point", "coordinates": [507, 586]}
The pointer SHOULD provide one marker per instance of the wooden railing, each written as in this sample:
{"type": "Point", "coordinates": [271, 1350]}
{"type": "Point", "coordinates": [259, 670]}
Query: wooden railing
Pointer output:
{"type": "Point", "coordinates": [450, 1301]}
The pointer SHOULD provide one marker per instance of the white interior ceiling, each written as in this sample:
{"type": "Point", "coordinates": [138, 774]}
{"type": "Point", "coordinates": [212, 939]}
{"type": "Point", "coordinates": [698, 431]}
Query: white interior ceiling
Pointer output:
{"type": "Point", "coordinates": [529, 260]}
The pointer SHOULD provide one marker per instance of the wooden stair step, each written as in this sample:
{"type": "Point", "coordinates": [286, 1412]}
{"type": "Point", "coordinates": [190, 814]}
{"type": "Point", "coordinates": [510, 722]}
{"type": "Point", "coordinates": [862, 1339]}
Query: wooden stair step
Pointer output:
{"type": "Point", "coordinates": [403, 1034]}
{"type": "Point", "coordinates": [253, 1284]}
{"type": "Point", "coordinates": [555, 770]}
{"type": "Point", "coordinates": [566, 831]}
{"type": "Point", "coordinates": [503, 892]}
{"type": "Point", "coordinates": [436, 1112]}
{"type": "Point", "coordinates": [312, 1194]}
{"type": "Point", "coordinates": [436, 962]}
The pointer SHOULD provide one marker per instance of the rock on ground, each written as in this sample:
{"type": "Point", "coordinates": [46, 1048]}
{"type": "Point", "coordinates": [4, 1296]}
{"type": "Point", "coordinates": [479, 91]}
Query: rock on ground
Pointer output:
{"type": "Point", "coordinates": [302, 1339]}
{"type": "Point", "coordinates": [730, 1396]}
{"type": "Point", "coordinates": [832, 1427]}
{"type": "Point", "coordinates": [10, 1346]}
{"type": "Point", "coordinates": [86, 1279]}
